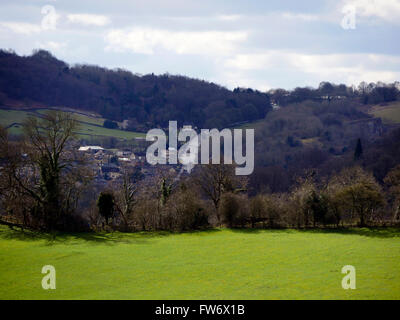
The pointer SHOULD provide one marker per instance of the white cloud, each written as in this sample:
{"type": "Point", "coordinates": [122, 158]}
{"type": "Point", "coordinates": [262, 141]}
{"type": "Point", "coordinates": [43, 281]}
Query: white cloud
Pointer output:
{"type": "Point", "coordinates": [231, 17]}
{"type": "Point", "coordinates": [147, 41]}
{"type": "Point", "coordinates": [21, 27]}
{"type": "Point", "coordinates": [300, 16]}
{"type": "Point", "coordinates": [52, 45]}
{"type": "Point", "coordinates": [89, 19]}
{"type": "Point", "coordinates": [239, 78]}
{"type": "Point", "coordinates": [343, 68]}
{"type": "Point", "coordinates": [388, 10]}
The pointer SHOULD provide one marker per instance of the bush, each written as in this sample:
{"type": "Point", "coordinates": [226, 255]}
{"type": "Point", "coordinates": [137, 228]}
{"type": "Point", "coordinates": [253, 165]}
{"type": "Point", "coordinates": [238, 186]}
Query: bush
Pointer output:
{"type": "Point", "coordinates": [105, 204]}
{"type": "Point", "coordinates": [110, 124]}
{"type": "Point", "coordinates": [234, 210]}
{"type": "Point", "coordinates": [185, 211]}
{"type": "Point", "coordinates": [229, 209]}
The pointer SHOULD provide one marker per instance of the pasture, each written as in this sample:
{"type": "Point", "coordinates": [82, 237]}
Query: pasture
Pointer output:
{"type": "Point", "coordinates": [389, 113]}
{"type": "Point", "coordinates": [89, 126]}
{"type": "Point", "coordinates": [213, 264]}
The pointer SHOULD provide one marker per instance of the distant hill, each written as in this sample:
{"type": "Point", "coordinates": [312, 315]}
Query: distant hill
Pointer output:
{"type": "Point", "coordinates": [147, 101]}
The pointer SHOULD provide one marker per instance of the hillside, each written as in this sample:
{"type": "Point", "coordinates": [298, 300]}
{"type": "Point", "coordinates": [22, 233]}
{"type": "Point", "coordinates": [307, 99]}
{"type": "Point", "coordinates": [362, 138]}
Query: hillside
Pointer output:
{"type": "Point", "coordinates": [147, 101]}
{"type": "Point", "coordinates": [320, 136]}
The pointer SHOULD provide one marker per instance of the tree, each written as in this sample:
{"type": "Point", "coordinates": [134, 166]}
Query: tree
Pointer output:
{"type": "Point", "coordinates": [335, 204]}
{"type": "Point", "coordinates": [318, 204]}
{"type": "Point", "coordinates": [126, 195]}
{"type": "Point", "coordinates": [110, 124]}
{"type": "Point", "coordinates": [186, 209]}
{"type": "Point", "coordinates": [166, 189]}
{"type": "Point", "coordinates": [258, 210]}
{"type": "Point", "coordinates": [392, 181]}
{"type": "Point", "coordinates": [230, 208]}
{"type": "Point", "coordinates": [14, 205]}
{"type": "Point", "coordinates": [105, 204]}
{"type": "Point", "coordinates": [300, 199]}
{"type": "Point", "coordinates": [47, 160]}
{"type": "Point", "coordinates": [264, 208]}
{"type": "Point", "coordinates": [43, 174]}
{"type": "Point", "coordinates": [358, 151]}
{"type": "Point", "coordinates": [360, 194]}
{"type": "Point", "coordinates": [216, 179]}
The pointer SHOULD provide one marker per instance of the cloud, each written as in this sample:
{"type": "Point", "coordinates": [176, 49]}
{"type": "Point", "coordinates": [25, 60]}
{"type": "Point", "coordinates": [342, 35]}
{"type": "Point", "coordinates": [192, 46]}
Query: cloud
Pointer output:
{"type": "Point", "coordinates": [341, 68]}
{"type": "Point", "coordinates": [230, 18]}
{"type": "Point", "coordinates": [148, 40]}
{"type": "Point", "coordinates": [21, 27]}
{"type": "Point", "coordinates": [300, 16]}
{"type": "Point", "coordinates": [89, 19]}
{"type": "Point", "coordinates": [388, 10]}
{"type": "Point", "coordinates": [237, 78]}
{"type": "Point", "coordinates": [52, 45]}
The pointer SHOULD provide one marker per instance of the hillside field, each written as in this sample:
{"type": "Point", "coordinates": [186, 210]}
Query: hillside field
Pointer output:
{"type": "Point", "coordinates": [389, 113]}
{"type": "Point", "coordinates": [214, 264]}
{"type": "Point", "coordinates": [88, 125]}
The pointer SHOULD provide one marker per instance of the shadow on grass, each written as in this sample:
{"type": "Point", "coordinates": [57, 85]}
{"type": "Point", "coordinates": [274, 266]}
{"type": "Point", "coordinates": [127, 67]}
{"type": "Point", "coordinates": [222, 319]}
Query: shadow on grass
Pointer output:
{"type": "Point", "coordinates": [377, 232]}
{"type": "Point", "coordinates": [146, 237]}
{"type": "Point", "coordinates": [108, 238]}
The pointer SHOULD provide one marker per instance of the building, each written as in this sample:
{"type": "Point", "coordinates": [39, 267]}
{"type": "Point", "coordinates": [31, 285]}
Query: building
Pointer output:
{"type": "Point", "coordinates": [90, 148]}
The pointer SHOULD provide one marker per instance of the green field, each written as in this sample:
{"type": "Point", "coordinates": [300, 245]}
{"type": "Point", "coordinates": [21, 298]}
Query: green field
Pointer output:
{"type": "Point", "coordinates": [389, 113]}
{"type": "Point", "coordinates": [215, 264]}
{"type": "Point", "coordinates": [88, 125]}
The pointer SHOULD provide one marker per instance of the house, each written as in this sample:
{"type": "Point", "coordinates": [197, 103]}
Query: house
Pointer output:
{"type": "Point", "coordinates": [90, 148]}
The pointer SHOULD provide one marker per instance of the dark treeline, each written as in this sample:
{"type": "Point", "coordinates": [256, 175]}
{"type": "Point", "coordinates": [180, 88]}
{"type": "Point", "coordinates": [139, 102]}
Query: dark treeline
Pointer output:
{"type": "Point", "coordinates": [147, 101]}
{"type": "Point", "coordinates": [366, 93]}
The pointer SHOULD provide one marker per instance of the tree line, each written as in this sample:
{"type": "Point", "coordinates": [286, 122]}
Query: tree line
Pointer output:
{"type": "Point", "coordinates": [146, 101]}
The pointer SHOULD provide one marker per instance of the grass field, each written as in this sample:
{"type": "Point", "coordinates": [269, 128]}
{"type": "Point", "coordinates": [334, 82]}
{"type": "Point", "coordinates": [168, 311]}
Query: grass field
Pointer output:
{"type": "Point", "coordinates": [88, 125]}
{"type": "Point", "coordinates": [389, 113]}
{"type": "Point", "coordinates": [215, 264]}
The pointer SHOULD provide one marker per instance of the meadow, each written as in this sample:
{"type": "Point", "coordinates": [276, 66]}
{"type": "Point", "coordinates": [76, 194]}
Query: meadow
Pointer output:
{"type": "Point", "coordinates": [389, 113]}
{"type": "Point", "coordinates": [213, 264]}
{"type": "Point", "coordinates": [88, 125]}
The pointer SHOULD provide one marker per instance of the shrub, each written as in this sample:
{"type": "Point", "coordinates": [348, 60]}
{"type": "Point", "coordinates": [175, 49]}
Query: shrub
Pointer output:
{"type": "Point", "coordinates": [229, 209]}
{"type": "Point", "coordinates": [110, 124]}
{"type": "Point", "coordinates": [105, 204]}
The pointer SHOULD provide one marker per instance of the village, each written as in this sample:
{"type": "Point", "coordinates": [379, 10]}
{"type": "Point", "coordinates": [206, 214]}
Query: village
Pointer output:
{"type": "Point", "coordinates": [108, 164]}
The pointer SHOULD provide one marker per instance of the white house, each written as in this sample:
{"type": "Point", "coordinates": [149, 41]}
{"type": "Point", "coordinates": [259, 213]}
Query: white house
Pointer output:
{"type": "Point", "coordinates": [90, 148]}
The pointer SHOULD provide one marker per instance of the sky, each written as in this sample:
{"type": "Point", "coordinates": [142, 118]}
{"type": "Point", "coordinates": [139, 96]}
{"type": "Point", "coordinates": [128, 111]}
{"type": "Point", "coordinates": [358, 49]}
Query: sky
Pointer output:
{"type": "Point", "coordinates": [255, 43]}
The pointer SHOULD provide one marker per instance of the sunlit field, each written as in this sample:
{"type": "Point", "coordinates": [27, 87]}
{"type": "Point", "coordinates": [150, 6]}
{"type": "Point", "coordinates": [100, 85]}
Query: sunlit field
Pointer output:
{"type": "Point", "coordinates": [215, 264]}
{"type": "Point", "coordinates": [87, 126]}
{"type": "Point", "coordinates": [389, 113]}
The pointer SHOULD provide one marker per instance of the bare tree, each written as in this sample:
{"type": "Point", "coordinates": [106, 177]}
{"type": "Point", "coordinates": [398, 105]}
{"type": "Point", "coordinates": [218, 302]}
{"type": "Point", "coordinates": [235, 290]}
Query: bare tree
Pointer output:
{"type": "Point", "coordinates": [14, 206]}
{"type": "Point", "coordinates": [216, 179]}
{"type": "Point", "coordinates": [126, 195]}
{"type": "Point", "coordinates": [360, 194]}
{"type": "Point", "coordinates": [46, 169]}
{"type": "Point", "coordinates": [392, 181]}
